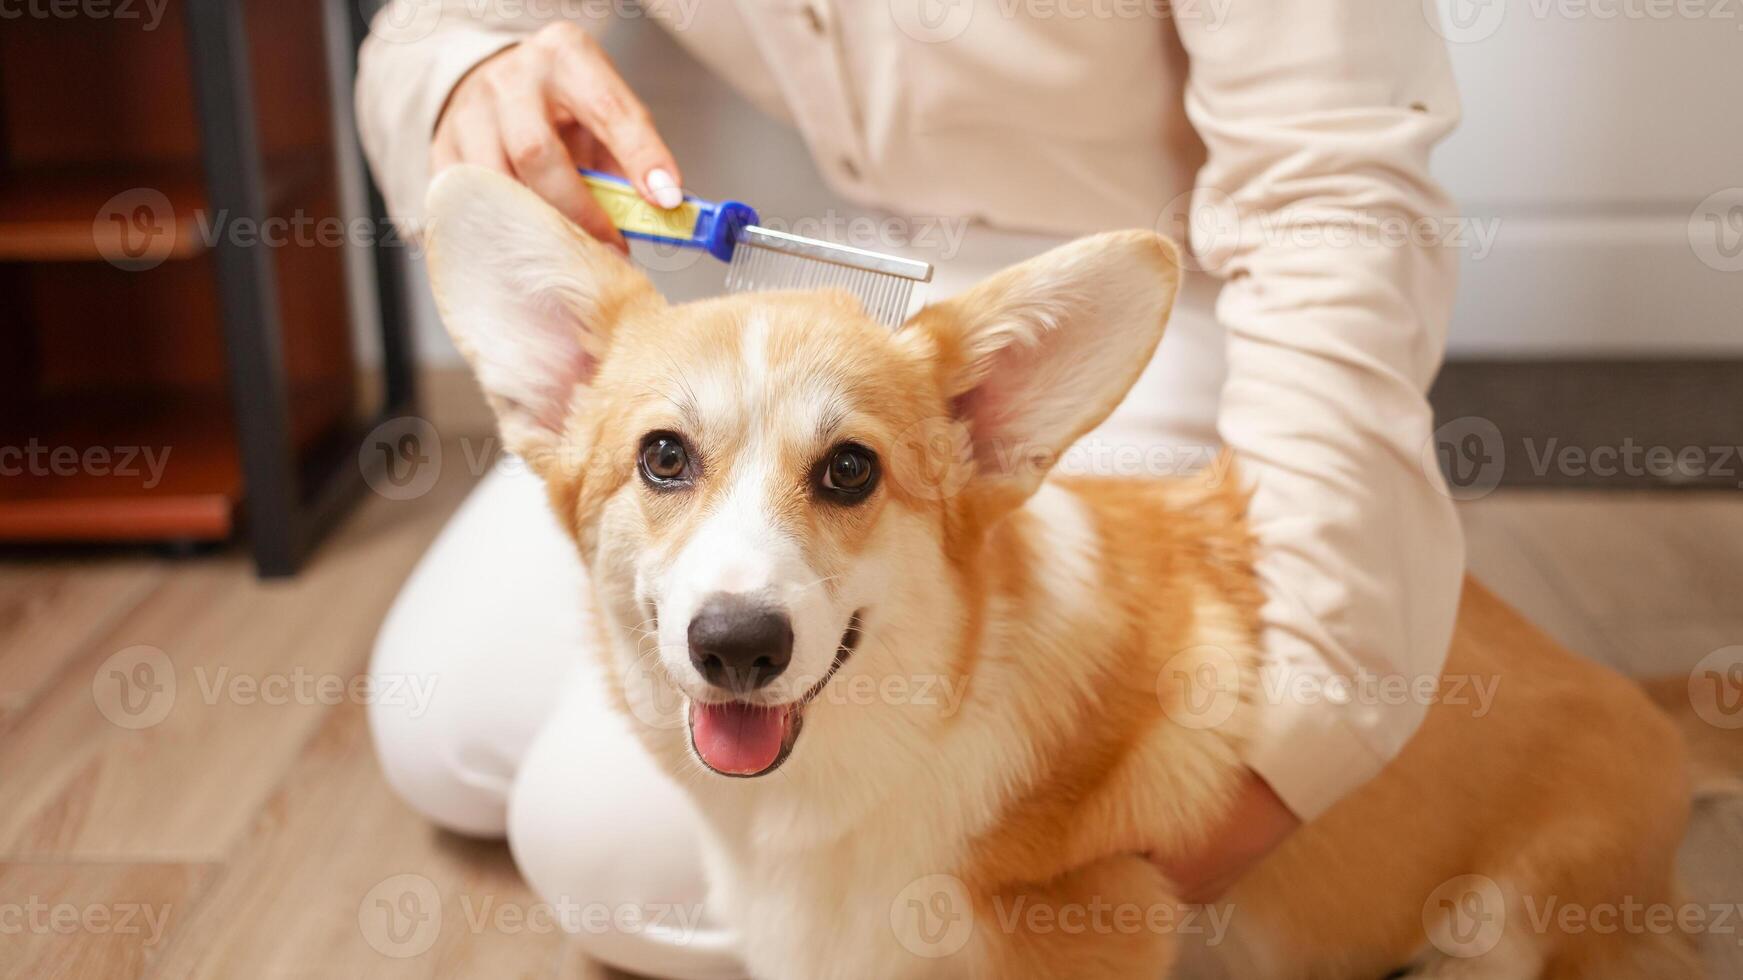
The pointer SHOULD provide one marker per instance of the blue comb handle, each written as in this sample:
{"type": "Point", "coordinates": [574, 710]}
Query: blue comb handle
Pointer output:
{"type": "Point", "coordinates": [707, 225]}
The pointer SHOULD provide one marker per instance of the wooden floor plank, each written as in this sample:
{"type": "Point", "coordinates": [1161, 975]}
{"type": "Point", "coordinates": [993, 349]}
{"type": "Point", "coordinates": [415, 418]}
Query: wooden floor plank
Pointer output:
{"type": "Point", "coordinates": [92, 920]}
{"type": "Point", "coordinates": [1631, 557]}
{"type": "Point", "coordinates": [1503, 551]}
{"type": "Point", "coordinates": [52, 610]}
{"type": "Point", "coordinates": [1711, 862]}
{"type": "Point", "coordinates": [339, 879]}
{"type": "Point", "coordinates": [162, 743]}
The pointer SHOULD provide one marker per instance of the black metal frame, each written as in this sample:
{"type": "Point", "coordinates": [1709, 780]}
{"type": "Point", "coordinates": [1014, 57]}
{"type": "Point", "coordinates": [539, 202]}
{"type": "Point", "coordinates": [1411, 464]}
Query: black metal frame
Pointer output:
{"type": "Point", "coordinates": [287, 505]}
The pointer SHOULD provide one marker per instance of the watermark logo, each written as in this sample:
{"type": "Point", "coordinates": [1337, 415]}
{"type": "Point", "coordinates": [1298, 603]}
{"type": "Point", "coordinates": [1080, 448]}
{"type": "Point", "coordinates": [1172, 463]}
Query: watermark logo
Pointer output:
{"type": "Point", "coordinates": [136, 687]}
{"type": "Point", "coordinates": [1200, 687]}
{"type": "Point", "coordinates": [136, 230]}
{"type": "Point", "coordinates": [1465, 916]}
{"type": "Point", "coordinates": [148, 13]}
{"type": "Point", "coordinates": [1465, 21]}
{"type": "Point", "coordinates": [933, 917]}
{"type": "Point", "coordinates": [1468, 454]}
{"type": "Point", "coordinates": [401, 458]}
{"type": "Point", "coordinates": [1716, 230]}
{"type": "Point", "coordinates": [936, 458]}
{"type": "Point", "coordinates": [932, 21]}
{"type": "Point", "coordinates": [402, 21]}
{"type": "Point", "coordinates": [653, 698]}
{"type": "Point", "coordinates": [144, 464]}
{"type": "Point", "coordinates": [1208, 222]}
{"type": "Point", "coordinates": [401, 916]}
{"type": "Point", "coordinates": [36, 917]}
{"type": "Point", "coordinates": [1716, 688]}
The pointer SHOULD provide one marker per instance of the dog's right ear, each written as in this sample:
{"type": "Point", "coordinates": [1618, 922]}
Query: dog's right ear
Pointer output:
{"type": "Point", "coordinates": [529, 298]}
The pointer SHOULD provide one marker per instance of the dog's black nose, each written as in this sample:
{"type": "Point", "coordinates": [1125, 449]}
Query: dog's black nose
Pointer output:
{"type": "Point", "coordinates": [740, 643]}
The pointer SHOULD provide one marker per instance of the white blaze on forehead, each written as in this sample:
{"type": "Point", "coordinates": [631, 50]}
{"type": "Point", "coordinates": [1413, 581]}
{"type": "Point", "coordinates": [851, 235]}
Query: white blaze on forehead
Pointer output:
{"type": "Point", "coordinates": [736, 548]}
{"type": "Point", "coordinates": [754, 351]}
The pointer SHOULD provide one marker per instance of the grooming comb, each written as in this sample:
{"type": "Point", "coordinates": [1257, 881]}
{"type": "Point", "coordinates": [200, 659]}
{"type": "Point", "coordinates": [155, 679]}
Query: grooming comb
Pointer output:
{"type": "Point", "coordinates": [761, 258]}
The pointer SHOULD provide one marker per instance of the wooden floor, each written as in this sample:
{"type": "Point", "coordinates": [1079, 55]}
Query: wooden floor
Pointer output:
{"type": "Point", "coordinates": [238, 838]}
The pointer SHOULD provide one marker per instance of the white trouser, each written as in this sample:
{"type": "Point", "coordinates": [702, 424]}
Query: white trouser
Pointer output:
{"type": "Point", "coordinates": [516, 738]}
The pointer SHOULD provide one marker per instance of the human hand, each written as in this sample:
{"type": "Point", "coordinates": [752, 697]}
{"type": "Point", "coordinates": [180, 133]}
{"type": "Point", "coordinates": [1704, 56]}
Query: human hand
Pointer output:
{"type": "Point", "coordinates": [542, 108]}
{"type": "Point", "coordinates": [1253, 827]}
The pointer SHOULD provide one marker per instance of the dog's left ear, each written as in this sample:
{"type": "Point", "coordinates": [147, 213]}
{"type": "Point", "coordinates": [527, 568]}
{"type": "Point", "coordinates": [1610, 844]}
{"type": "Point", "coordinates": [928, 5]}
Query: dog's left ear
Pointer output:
{"type": "Point", "coordinates": [528, 297]}
{"type": "Point", "coordinates": [1039, 354]}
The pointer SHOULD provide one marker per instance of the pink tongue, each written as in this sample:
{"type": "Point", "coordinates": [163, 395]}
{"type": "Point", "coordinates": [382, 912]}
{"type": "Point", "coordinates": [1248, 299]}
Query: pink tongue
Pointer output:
{"type": "Point", "coordinates": [740, 739]}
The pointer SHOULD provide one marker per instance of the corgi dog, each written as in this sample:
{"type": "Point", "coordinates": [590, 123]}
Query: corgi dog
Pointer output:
{"type": "Point", "coordinates": [938, 709]}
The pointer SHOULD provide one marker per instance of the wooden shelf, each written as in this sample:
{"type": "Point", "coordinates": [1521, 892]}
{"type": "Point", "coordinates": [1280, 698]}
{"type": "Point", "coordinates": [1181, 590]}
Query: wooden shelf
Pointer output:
{"type": "Point", "coordinates": [168, 468]}
{"type": "Point", "coordinates": [145, 465]}
{"type": "Point", "coordinates": [162, 378]}
{"type": "Point", "coordinates": [121, 212]}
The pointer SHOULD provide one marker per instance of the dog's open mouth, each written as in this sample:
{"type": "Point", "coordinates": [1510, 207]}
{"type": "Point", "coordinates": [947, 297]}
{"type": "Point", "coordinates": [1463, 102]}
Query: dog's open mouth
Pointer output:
{"type": "Point", "coordinates": [743, 740]}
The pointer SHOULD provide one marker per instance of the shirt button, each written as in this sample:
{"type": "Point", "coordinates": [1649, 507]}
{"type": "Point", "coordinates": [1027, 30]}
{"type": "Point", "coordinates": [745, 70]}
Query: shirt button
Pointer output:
{"type": "Point", "coordinates": [850, 168]}
{"type": "Point", "coordinates": [814, 18]}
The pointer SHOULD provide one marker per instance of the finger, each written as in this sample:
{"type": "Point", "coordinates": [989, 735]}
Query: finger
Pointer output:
{"type": "Point", "coordinates": [443, 153]}
{"type": "Point", "coordinates": [479, 141]}
{"type": "Point", "coordinates": [589, 87]}
{"type": "Point", "coordinates": [541, 161]}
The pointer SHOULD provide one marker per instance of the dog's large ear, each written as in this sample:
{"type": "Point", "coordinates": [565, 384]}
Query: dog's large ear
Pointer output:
{"type": "Point", "coordinates": [1039, 354]}
{"type": "Point", "coordinates": [529, 299]}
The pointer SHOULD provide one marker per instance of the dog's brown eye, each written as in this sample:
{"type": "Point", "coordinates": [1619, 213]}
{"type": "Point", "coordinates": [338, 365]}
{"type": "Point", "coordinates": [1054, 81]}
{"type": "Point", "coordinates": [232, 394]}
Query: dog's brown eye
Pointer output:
{"type": "Point", "coordinates": [664, 459]}
{"type": "Point", "coordinates": [850, 471]}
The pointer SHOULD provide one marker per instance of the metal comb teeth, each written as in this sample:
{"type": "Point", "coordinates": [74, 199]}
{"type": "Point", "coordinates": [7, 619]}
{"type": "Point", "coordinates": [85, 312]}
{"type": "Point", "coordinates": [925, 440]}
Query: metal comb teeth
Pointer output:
{"type": "Point", "coordinates": [765, 259]}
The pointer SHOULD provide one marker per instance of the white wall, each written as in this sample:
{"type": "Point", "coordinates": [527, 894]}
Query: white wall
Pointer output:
{"type": "Point", "coordinates": [1602, 146]}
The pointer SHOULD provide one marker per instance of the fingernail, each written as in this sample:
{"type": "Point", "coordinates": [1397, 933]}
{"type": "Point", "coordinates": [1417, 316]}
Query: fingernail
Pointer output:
{"type": "Point", "coordinates": [666, 191]}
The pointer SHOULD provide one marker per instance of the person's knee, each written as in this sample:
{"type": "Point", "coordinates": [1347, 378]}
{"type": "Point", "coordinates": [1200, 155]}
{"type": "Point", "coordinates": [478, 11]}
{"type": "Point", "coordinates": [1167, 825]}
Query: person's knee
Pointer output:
{"type": "Point", "coordinates": [421, 740]}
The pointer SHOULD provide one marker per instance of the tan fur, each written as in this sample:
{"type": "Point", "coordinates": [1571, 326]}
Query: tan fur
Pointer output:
{"type": "Point", "coordinates": [1079, 650]}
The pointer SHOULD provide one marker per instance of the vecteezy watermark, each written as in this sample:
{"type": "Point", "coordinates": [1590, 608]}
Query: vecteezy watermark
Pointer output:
{"type": "Point", "coordinates": [410, 21]}
{"type": "Point", "coordinates": [937, 21]}
{"type": "Point", "coordinates": [401, 459]}
{"type": "Point", "coordinates": [145, 464]}
{"type": "Point", "coordinates": [1216, 228]}
{"type": "Point", "coordinates": [936, 458]}
{"type": "Point", "coordinates": [655, 700]}
{"type": "Point", "coordinates": [1465, 21]}
{"type": "Point", "coordinates": [402, 916]}
{"type": "Point", "coordinates": [936, 238]}
{"type": "Point", "coordinates": [1383, 690]}
{"type": "Point", "coordinates": [36, 916]}
{"type": "Point", "coordinates": [1633, 917]}
{"type": "Point", "coordinates": [1672, 464]}
{"type": "Point", "coordinates": [1716, 688]}
{"type": "Point", "coordinates": [1716, 229]}
{"type": "Point", "coordinates": [1466, 916]}
{"type": "Point", "coordinates": [1471, 21]}
{"type": "Point", "coordinates": [138, 230]}
{"type": "Point", "coordinates": [148, 14]}
{"type": "Point", "coordinates": [1202, 686]}
{"type": "Point", "coordinates": [934, 917]}
{"type": "Point", "coordinates": [1467, 456]}
{"type": "Point", "coordinates": [137, 688]}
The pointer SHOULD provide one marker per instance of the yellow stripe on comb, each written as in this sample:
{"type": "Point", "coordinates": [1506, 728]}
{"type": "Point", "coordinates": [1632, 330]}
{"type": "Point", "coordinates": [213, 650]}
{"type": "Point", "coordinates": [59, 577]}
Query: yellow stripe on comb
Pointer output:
{"type": "Point", "coordinates": [630, 213]}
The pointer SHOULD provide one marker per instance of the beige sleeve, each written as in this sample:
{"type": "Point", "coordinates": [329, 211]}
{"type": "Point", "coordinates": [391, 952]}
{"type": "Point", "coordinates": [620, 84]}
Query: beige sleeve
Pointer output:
{"type": "Point", "coordinates": [1317, 207]}
{"type": "Point", "coordinates": [416, 52]}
